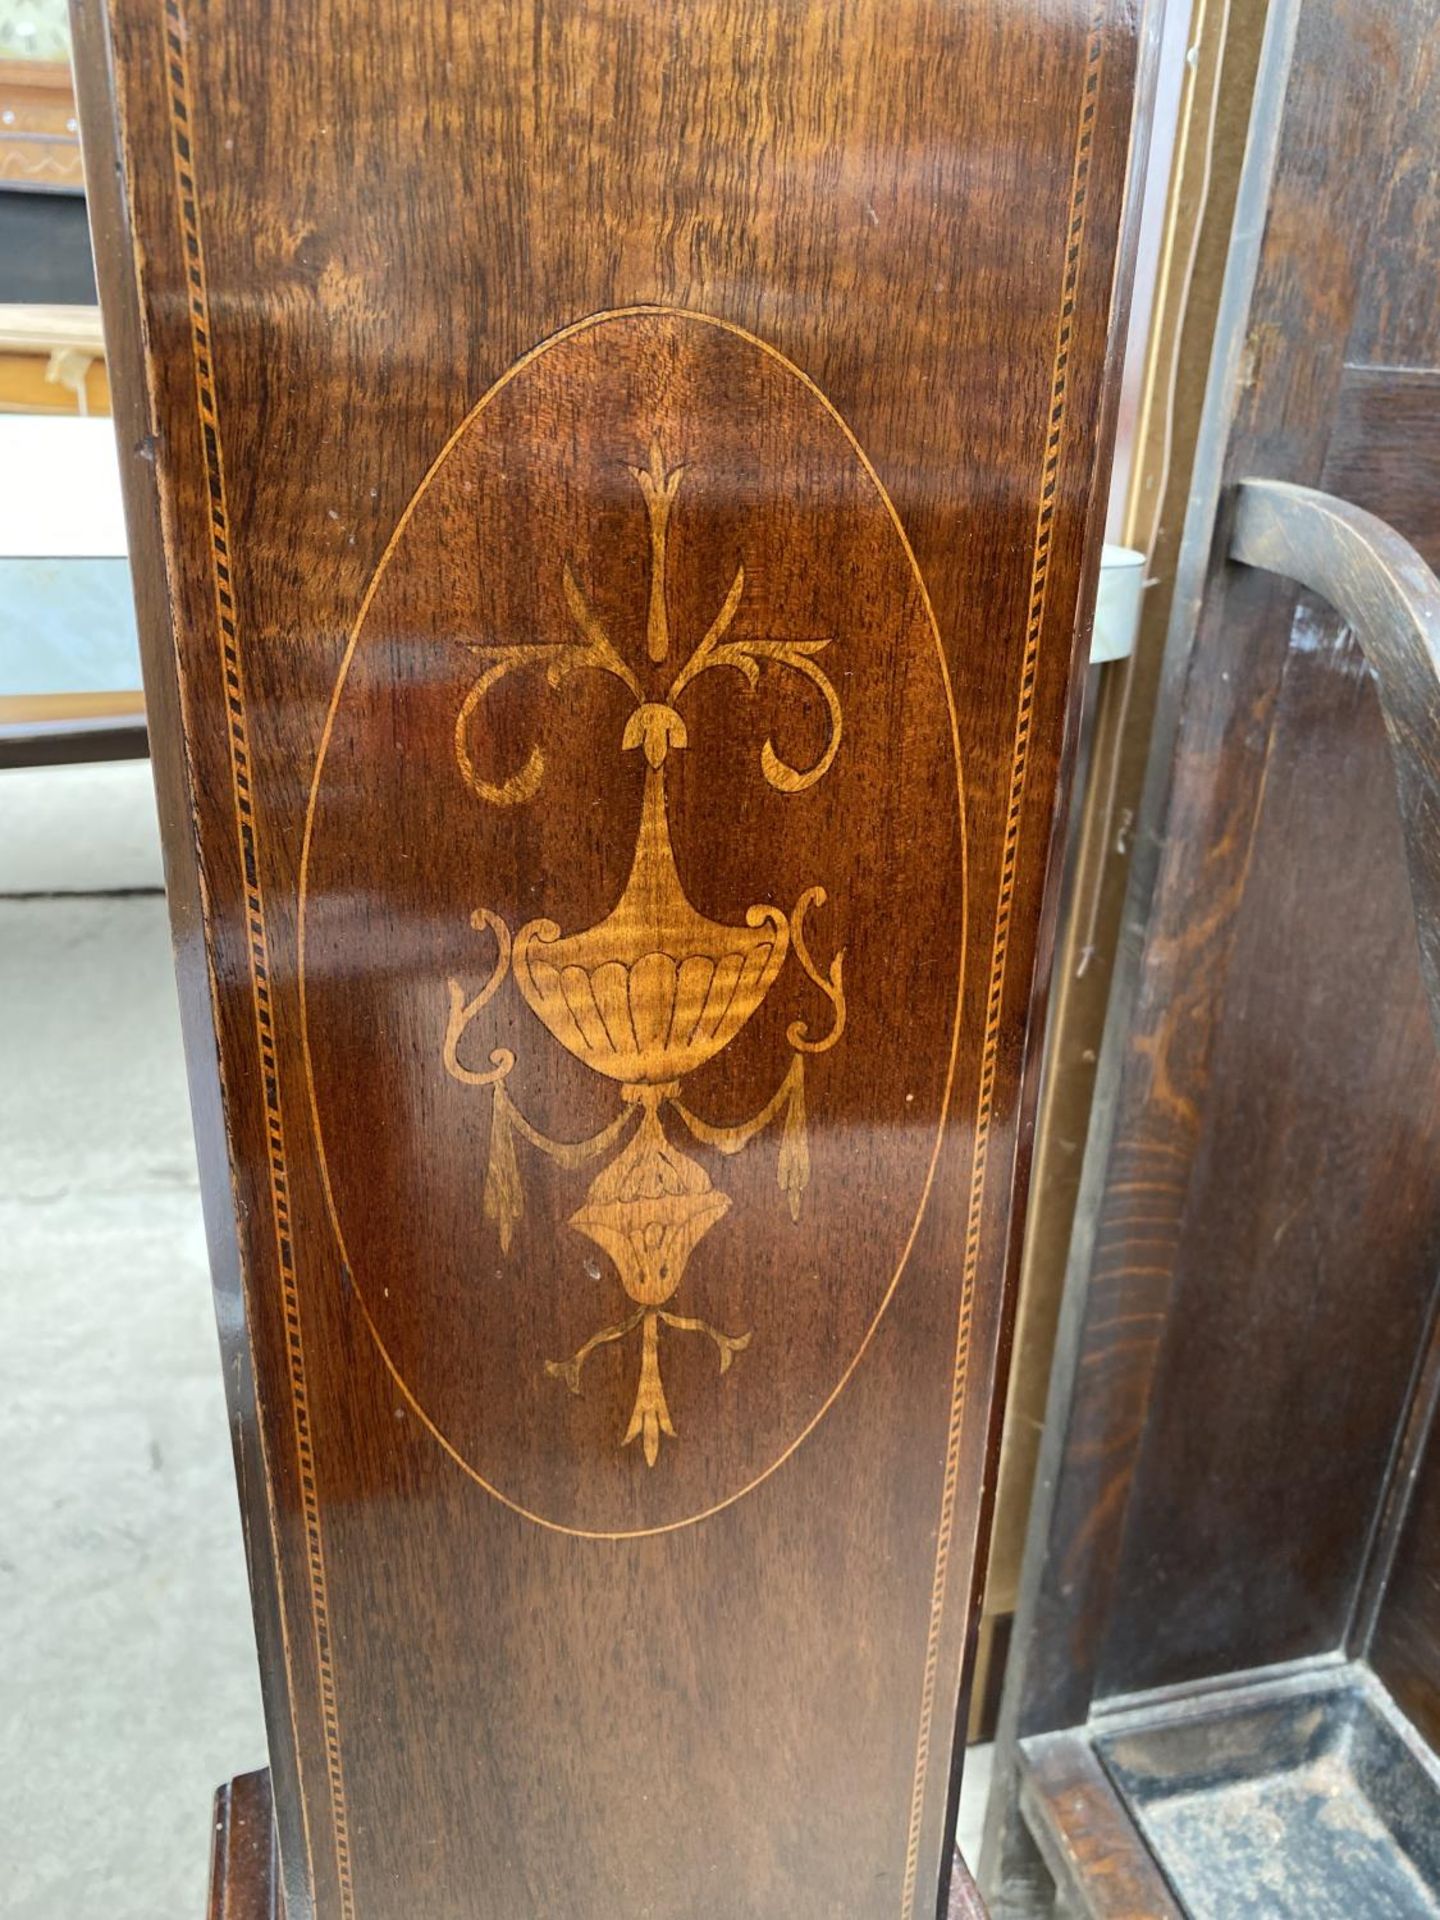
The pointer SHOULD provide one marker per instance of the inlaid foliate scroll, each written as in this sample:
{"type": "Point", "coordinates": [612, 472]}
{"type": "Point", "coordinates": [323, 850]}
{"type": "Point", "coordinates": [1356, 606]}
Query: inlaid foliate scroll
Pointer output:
{"type": "Point", "coordinates": [611, 488]}
{"type": "Point", "coordinates": [671, 985]}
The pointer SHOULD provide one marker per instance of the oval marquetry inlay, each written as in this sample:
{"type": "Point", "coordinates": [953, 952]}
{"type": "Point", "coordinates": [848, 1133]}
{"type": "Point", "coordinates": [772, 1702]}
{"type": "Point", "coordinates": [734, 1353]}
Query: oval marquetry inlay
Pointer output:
{"type": "Point", "coordinates": [648, 694]}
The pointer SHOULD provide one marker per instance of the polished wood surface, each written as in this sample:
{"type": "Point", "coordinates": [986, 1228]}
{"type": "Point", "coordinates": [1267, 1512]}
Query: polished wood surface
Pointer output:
{"type": "Point", "coordinates": [613, 492]}
{"type": "Point", "coordinates": [607, 949]}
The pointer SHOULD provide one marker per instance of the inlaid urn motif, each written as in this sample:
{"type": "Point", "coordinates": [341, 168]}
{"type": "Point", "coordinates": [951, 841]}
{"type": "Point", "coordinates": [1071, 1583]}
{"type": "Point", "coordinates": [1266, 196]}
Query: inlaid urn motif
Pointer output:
{"type": "Point", "coordinates": [651, 992]}
{"type": "Point", "coordinates": [643, 717]}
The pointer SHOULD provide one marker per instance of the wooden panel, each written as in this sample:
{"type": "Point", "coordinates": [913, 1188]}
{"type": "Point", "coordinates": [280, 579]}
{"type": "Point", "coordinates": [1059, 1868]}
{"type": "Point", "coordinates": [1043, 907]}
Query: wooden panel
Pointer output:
{"type": "Point", "coordinates": [1385, 450]}
{"type": "Point", "coordinates": [1320, 1163]}
{"type": "Point", "coordinates": [1349, 97]}
{"type": "Point", "coordinates": [757, 337]}
{"type": "Point", "coordinates": [1387, 444]}
{"type": "Point", "coordinates": [1313, 1231]}
{"type": "Point", "coordinates": [667, 978]}
{"type": "Point", "coordinates": [1251, 1281]}
{"type": "Point", "coordinates": [1398, 322]}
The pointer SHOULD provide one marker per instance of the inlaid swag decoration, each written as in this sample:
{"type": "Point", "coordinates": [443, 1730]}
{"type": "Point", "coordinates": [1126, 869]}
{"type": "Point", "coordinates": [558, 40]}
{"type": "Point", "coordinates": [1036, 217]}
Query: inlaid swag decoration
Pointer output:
{"type": "Point", "coordinates": [654, 990]}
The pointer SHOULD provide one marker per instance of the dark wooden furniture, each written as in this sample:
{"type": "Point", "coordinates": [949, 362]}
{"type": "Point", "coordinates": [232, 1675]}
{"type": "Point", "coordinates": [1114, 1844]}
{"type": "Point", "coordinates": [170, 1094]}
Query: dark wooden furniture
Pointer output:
{"type": "Point", "coordinates": [1222, 1695]}
{"type": "Point", "coordinates": [608, 1071]}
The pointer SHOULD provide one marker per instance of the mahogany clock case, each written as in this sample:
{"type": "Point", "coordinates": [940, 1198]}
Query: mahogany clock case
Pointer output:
{"type": "Point", "coordinates": [614, 501]}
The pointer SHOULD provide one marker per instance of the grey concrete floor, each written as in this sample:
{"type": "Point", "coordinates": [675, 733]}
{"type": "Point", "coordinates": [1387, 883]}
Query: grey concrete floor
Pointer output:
{"type": "Point", "coordinates": [128, 1685]}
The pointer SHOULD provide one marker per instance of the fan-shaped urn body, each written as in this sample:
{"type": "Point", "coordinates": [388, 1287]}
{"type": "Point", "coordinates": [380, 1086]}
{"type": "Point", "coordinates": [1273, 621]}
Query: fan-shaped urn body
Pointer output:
{"type": "Point", "coordinates": [655, 989]}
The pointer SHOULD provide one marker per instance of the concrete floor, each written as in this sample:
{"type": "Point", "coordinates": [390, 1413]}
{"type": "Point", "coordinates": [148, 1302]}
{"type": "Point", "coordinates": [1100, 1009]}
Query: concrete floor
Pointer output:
{"type": "Point", "coordinates": [128, 1689]}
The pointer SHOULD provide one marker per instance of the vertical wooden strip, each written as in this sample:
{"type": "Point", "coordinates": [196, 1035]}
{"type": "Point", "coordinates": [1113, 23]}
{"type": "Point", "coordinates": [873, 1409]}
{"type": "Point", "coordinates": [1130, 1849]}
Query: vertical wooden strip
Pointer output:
{"type": "Point", "coordinates": [231, 667]}
{"type": "Point", "coordinates": [995, 996]}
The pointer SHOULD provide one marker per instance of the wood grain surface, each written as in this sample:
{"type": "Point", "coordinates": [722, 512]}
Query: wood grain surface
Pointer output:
{"type": "Point", "coordinates": [1090, 1844]}
{"type": "Point", "coordinates": [244, 1881]}
{"type": "Point", "coordinates": [611, 1364]}
{"type": "Point", "coordinates": [1278, 801]}
{"type": "Point", "coordinates": [1242, 1400]}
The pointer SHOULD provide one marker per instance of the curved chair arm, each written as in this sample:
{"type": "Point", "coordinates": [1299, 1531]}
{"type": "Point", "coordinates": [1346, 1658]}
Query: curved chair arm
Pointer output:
{"type": "Point", "coordinates": [1391, 599]}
